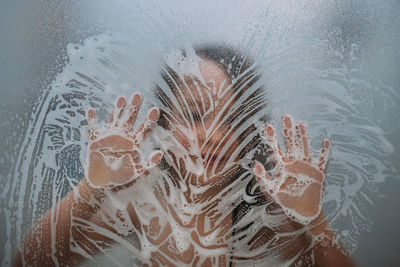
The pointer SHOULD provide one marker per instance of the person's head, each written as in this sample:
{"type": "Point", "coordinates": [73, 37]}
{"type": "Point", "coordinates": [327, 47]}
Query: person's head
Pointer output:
{"type": "Point", "coordinates": [207, 106]}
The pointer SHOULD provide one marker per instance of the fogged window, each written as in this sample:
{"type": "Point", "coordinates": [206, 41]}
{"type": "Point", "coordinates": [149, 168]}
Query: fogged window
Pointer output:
{"type": "Point", "coordinates": [213, 134]}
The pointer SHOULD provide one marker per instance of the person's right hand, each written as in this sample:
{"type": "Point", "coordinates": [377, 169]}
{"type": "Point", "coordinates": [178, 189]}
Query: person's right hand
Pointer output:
{"type": "Point", "coordinates": [113, 157]}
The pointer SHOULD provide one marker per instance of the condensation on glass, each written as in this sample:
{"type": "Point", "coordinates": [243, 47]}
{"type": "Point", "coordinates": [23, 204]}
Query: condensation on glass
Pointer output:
{"type": "Point", "coordinates": [245, 119]}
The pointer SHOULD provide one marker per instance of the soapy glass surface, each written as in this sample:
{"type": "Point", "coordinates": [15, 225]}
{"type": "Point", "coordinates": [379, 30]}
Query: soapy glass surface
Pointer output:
{"type": "Point", "coordinates": [337, 78]}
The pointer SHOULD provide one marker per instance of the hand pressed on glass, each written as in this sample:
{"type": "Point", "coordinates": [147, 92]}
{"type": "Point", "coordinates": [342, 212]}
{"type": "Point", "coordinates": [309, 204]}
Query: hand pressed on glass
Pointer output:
{"type": "Point", "coordinates": [296, 182]}
{"type": "Point", "coordinates": [113, 153]}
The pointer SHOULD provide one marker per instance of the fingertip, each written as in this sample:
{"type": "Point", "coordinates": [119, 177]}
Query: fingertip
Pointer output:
{"type": "Point", "coordinates": [154, 114]}
{"type": "Point", "coordinates": [157, 156]}
{"type": "Point", "coordinates": [136, 99]}
{"type": "Point", "coordinates": [287, 121]}
{"type": "Point", "coordinates": [121, 102]}
{"type": "Point", "coordinates": [91, 113]}
{"type": "Point", "coordinates": [326, 143]}
{"type": "Point", "coordinates": [269, 130]}
{"type": "Point", "coordinates": [258, 168]}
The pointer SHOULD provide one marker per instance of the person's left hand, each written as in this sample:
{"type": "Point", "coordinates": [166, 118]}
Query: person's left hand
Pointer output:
{"type": "Point", "coordinates": [296, 183]}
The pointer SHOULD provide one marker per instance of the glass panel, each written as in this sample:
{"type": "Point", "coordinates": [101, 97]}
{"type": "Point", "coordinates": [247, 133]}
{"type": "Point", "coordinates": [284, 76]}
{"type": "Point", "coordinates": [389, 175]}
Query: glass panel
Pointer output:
{"type": "Point", "coordinates": [175, 134]}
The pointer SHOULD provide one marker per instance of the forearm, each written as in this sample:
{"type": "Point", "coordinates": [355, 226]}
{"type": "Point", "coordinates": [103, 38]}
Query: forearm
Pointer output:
{"type": "Point", "coordinates": [327, 256]}
{"type": "Point", "coordinates": [50, 239]}
{"type": "Point", "coordinates": [328, 251]}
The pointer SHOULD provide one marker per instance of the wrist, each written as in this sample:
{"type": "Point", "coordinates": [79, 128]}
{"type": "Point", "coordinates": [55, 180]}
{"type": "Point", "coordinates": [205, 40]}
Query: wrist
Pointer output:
{"type": "Point", "coordinates": [320, 226]}
{"type": "Point", "coordinates": [87, 197]}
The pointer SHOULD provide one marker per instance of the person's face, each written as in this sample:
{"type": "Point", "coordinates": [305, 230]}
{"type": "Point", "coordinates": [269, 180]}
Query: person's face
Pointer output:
{"type": "Point", "coordinates": [211, 93]}
{"type": "Point", "coordinates": [214, 77]}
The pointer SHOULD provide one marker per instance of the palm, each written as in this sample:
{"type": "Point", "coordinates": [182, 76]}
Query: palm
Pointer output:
{"type": "Point", "coordinates": [113, 153]}
{"type": "Point", "coordinates": [297, 182]}
{"type": "Point", "coordinates": [107, 165]}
